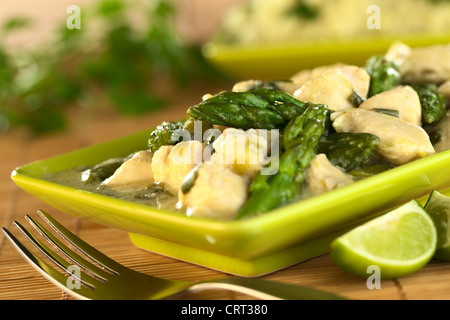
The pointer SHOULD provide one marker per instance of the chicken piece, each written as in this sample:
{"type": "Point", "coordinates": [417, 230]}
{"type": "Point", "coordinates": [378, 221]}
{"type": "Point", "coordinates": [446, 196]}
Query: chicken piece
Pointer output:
{"type": "Point", "coordinates": [400, 141]}
{"type": "Point", "coordinates": [445, 90]}
{"type": "Point", "coordinates": [322, 175]}
{"type": "Point", "coordinates": [135, 171]}
{"type": "Point", "coordinates": [286, 86]}
{"type": "Point", "coordinates": [357, 76]}
{"type": "Point", "coordinates": [301, 77]}
{"type": "Point", "coordinates": [160, 166]}
{"type": "Point", "coordinates": [171, 164]}
{"type": "Point", "coordinates": [206, 96]}
{"type": "Point", "coordinates": [403, 99]}
{"type": "Point", "coordinates": [218, 192]}
{"type": "Point", "coordinates": [332, 89]}
{"type": "Point", "coordinates": [246, 152]}
{"type": "Point", "coordinates": [246, 85]}
{"type": "Point", "coordinates": [398, 52]}
{"type": "Point", "coordinates": [427, 65]}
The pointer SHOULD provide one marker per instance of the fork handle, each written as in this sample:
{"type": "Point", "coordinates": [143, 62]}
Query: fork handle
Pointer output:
{"type": "Point", "coordinates": [264, 289]}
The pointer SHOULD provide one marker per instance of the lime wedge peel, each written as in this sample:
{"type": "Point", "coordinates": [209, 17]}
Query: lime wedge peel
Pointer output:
{"type": "Point", "coordinates": [438, 207]}
{"type": "Point", "coordinates": [399, 243]}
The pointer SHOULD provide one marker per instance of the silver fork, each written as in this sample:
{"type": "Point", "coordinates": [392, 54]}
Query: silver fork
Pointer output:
{"type": "Point", "coordinates": [95, 276]}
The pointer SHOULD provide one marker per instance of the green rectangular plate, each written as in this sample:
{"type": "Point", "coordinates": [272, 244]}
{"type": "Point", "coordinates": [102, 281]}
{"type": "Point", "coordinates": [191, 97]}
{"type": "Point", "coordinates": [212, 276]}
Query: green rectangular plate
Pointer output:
{"type": "Point", "coordinates": [255, 266]}
{"type": "Point", "coordinates": [282, 61]}
{"type": "Point", "coordinates": [251, 247]}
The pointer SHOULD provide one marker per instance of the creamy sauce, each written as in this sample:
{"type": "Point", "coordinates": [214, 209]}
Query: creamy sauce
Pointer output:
{"type": "Point", "coordinates": [152, 195]}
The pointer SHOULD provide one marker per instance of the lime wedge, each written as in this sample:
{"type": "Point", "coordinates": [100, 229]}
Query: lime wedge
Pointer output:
{"type": "Point", "coordinates": [399, 242]}
{"type": "Point", "coordinates": [438, 207]}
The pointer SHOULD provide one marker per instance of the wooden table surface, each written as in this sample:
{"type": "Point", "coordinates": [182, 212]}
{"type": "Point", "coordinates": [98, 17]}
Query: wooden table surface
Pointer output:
{"type": "Point", "coordinates": [19, 281]}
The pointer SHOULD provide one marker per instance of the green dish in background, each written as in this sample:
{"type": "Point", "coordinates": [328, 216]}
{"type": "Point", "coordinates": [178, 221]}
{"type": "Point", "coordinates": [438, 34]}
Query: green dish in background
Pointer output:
{"type": "Point", "coordinates": [269, 62]}
{"type": "Point", "coordinates": [250, 247]}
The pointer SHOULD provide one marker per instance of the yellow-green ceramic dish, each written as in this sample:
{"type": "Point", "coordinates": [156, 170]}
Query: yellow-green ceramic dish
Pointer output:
{"type": "Point", "coordinates": [281, 61]}
{"type": "Point", "coordinates": [249, 247]}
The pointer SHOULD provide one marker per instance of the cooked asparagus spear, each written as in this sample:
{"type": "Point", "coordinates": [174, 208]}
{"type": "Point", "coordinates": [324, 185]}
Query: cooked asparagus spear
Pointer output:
{"type": "Point", "coordinates": [102, 170]}
{"type": "Point", "coordinates": [356, 99]}
{"type": "Point", "coordinates": [349, 151]}
{"type": "Point", "coordinates": [432, 103]}
{"type": "Point", "coordinates": [258, 109]}
{"type": "Point", "coordinates": [165, 134]}
{"type": "Point", "coordinates": [301, 139]}
{"type": "Point", "coordinates": [384, 74]}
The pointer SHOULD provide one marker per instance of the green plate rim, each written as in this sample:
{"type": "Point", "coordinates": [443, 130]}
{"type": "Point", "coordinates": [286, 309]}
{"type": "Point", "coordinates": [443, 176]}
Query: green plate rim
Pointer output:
{"type": "Point", "coordinates": [243, 235]}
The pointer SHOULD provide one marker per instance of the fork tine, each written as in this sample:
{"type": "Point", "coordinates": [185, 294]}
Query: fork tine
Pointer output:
{"type": "Point", "coordinates": [57, 260]}
{"type": "Point", "coordinates": [87, 250]}
{"type": "Point", "coordinates": [88, 267]}
{"type": "Point", "coordinates": [44, 269]}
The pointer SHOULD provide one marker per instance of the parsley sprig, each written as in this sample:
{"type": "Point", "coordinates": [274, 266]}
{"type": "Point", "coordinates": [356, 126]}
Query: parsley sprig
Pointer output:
{"type": "Point", "coordinates": [39, 85]}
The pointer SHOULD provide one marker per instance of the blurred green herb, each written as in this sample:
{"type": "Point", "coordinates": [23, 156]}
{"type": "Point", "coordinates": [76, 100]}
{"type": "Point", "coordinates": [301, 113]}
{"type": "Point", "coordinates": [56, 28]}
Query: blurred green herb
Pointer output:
{"type": "Point", "coordinates": [37, 86]}
{"type": "Point", "coordinates": [16, 23]}
{"type": "Point", "coordinates": [303, 10]}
